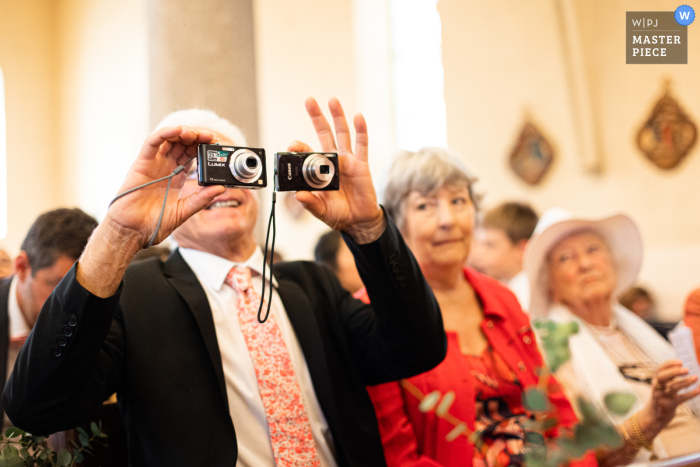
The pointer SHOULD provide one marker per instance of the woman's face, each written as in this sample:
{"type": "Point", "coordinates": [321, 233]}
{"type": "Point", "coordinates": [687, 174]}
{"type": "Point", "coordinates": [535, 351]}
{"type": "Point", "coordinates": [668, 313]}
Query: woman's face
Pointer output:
{"type": "Point", "coordinates": [438, 228]}
{"type": "Point", "coordinates": [581, 270]}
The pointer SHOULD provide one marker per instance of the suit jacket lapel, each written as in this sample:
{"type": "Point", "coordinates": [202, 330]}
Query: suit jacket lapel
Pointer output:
{"type": "Point", "coordinates": [300, 313]}
{"type": "Point", "coordinates": [183, 279]}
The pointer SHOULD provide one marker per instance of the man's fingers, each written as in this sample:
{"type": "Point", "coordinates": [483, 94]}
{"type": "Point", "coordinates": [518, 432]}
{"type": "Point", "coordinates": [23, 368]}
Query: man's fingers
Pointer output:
{"type": "Point", "coordinates": [323, 129]}
{"type": "Point", "coordinates": [361, 137]}
{"type": "Point", "coordinates": [312, 203]}
{"type": "Point", "coordinates": [342, 132]}
{"type": "Point", "coordinates": [298, 146]}
{"type": "Point", "coordinates": [198, 201]}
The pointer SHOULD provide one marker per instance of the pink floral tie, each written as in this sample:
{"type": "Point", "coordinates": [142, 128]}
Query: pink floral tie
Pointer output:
{"type": "Point", "coordinates": [290, 430]}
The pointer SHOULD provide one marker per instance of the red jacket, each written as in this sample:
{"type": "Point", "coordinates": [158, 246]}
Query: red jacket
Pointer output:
{"type": "Point", "coordinates": [413, 438]}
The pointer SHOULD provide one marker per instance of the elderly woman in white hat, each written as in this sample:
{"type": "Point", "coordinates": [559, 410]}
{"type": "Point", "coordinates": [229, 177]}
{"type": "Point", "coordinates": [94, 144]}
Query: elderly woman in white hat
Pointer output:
{"type": "Point", "coordinates": [576, 269]}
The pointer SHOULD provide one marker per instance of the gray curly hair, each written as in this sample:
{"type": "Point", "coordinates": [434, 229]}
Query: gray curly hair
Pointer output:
{"type": "Point", "coordinates": [425, 171]}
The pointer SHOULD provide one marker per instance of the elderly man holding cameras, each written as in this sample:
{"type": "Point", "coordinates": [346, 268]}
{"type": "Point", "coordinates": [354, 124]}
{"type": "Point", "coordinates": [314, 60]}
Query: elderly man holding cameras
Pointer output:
{"type": "Point", "coordinates": [199, 380]}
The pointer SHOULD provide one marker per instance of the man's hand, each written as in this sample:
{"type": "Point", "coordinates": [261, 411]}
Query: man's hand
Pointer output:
{"type": "Point", "coordinates": [131, 220]}
{"type": "Point", "coordinates": [163, 151]}
{"type": "Point", "coordinates": [354, 207]}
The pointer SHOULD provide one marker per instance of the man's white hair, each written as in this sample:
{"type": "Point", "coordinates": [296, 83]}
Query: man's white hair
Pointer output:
{"type": "Point", "coordinates": [206, 119]}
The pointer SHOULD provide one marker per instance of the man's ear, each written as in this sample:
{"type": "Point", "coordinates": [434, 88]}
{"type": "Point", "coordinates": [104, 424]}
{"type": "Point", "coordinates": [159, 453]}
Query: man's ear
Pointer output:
{"type": "Point", "coordinates": [22, 267]}
{"type": "Point", "coordinates": [520, 246]}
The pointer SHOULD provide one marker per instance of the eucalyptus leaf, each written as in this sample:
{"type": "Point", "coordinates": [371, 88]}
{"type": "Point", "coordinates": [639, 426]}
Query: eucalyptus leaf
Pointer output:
{"type": "Point", "coordinates": [3, 461]}
{"type": "Point", "coordinates": [620, 403]}
{"type": "Point", "coordinates": [445, 404]}
{"type": "Point", "coordinates": [38, 439]}
{"type": "Point", "coordinates": [79, 458]}
{"type": "Point", "coordinates": [82, 431]}
{"type": "Point", "coordinates": [24, 453]}
{"type": "Point", "coordinates": [64, 458]}
{"type": "Point", "coordinates": [15, 462]}
{"type": "Point", "coordinates": [429, 402]}
{"type": "Point", "coordinates": [13, 432]}
{"type": "Point", "coordinates": [95, 430]}
{"type": "Point", "coordinates": [536, 400]}
{"type": "Point", "coordinates": [84, 440]}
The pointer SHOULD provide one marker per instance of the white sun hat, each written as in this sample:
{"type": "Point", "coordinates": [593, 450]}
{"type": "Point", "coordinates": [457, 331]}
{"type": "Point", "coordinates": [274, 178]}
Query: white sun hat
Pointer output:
{"type": "Point", "coordinates": [619, 232]}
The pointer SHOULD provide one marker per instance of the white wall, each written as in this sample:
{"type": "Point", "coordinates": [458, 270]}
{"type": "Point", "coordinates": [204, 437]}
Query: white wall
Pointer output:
{"type": "Point", "coordinates": [497, 66]}
{"type": "Point", "coordinates": [27, 59]}
{"type": "Point", "coordinates": [103, 97]}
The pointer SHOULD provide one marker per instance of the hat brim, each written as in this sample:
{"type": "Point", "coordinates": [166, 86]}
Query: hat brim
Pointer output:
{"type": "Point", "coordinates": [620, 233]}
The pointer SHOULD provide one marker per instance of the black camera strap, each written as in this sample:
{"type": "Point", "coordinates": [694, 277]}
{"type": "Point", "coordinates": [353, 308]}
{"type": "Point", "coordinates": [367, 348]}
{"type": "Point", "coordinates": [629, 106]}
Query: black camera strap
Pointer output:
{"type": "Point", "coordinates": [270, 222]}
{"type": "Point", "coordinates": [169, 178]}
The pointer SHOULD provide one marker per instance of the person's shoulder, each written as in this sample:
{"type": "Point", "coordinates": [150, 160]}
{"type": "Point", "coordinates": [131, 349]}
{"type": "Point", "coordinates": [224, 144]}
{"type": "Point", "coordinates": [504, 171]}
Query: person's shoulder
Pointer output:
{"type": "Point", "coordinates": [498, 293]}
{"type": "Point", "coordinates": [300, 270]}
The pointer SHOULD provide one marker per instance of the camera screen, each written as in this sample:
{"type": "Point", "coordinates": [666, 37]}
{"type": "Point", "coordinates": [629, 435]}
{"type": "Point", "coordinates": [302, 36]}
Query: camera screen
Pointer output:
{"type": "Point", "coordinates": [251, 162]}
{"type": "Point", "coordinates": [325, 169]}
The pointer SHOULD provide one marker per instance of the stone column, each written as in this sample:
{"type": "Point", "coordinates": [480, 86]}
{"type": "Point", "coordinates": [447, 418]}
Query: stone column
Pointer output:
{"type": "Point", "coordinates": [202, 55]}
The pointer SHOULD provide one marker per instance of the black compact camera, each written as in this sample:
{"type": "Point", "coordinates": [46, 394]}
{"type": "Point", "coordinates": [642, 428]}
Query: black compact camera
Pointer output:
{"type": "Point", "coordinates": [307, 171]}
{"type": "Point", "coordinates": [231, 166]}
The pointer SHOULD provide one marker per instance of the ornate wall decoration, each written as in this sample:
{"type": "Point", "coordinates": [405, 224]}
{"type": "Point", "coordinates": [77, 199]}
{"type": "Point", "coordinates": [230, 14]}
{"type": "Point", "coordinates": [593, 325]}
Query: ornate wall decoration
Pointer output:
{"type": "Point", "coordinates": [532, 155]}
{"type": "Point", "coordinates": [668, 135]}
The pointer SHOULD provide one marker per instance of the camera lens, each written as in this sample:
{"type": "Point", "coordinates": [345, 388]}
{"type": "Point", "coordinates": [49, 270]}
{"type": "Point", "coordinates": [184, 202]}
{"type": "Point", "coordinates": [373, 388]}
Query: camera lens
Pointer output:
{"type": "Point", "coordinates": [245, 166]}
{"type": "Point", "coordinates": [318, 171]}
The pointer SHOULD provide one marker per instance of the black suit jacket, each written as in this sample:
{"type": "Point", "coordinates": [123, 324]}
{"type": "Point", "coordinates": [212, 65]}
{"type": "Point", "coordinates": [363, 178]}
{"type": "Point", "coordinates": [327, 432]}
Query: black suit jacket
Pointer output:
{"type": "Point", "coordinates": [4, 332]}
{"type": "Point", "coordinates": [154, 342]}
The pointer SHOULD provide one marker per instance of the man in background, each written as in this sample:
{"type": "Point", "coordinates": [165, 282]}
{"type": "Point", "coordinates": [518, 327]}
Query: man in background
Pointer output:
{"type": "Point", "coordinates": [52, 245]}
{"type": "Point", "coordinates": [332, 252]}
{"type": "Point", "coordinates": [499, 243]}
{"type": "Point", "coordinates": [5, 264]}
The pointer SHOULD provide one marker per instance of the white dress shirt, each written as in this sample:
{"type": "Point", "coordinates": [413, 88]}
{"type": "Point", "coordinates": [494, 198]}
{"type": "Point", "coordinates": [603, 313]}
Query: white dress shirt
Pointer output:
{"type": "Point", "coordinates": [245, 405]}
{"type": "Point", "coordinates": [18, 328]}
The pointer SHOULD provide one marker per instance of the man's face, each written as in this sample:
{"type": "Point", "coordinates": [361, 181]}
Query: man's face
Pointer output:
{"type": "Point", "coordinates": [229, 218]}
{"type": "Point", "coordinates": [33, 288]}
{"type": "Point", "coordinates": [495, 255]}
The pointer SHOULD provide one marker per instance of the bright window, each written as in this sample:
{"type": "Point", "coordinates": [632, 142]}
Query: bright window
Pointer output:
{"type": "Point", "coordinates": [3, 162]}
{"type": "Point", "coordinates": [418, 75]}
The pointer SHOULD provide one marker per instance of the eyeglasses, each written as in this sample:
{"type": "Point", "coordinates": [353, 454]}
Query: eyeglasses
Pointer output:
{"type": "Point", "coordinates": [641, 372]}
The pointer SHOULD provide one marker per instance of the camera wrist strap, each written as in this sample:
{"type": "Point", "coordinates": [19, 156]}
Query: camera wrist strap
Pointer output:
{"type": "Point", "coordinates": [169, 178]}
{"type": "Point", "coordinates": [270, 222]}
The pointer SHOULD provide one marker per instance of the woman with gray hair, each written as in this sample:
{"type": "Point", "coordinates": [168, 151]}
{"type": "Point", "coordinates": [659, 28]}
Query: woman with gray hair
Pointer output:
{"type": "Point", "coordinates": [491, 354]}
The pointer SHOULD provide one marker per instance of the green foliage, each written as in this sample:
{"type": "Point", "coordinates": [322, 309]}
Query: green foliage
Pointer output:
{"type": "Point", "coordinates": [554, 338]}
{"type": "Point", "coordinates": [535, 400]}
{"type": "Point", "coordinates": [19, 448]}
{"type": "Point", "coordinates": [620, 403]}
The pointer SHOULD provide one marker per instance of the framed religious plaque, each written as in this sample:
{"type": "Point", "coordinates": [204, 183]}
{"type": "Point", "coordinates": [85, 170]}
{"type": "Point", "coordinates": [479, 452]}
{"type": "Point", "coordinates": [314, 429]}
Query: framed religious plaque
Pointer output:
{"type": "Point", "coordinates": [532, 155]}
{"type": "Point", "coordinates": [668, 134]}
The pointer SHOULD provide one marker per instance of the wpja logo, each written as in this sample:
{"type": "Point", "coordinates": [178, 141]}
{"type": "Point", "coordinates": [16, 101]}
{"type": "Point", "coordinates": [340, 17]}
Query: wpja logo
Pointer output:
{"type": "Point", "coordinates": [658, 36]}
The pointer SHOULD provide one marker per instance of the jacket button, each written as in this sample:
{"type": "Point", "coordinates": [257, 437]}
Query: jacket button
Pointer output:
{"type": "Point", "coordinates": [489, 324]}
{"type": "Point", "coordinates": [62, 340]}
{"type": "Point", "coordinates": [56, 351]}
{"type": "Point", "coordinates": [73, 320]}
{"type": "Point", "coordinates": [521, 366]}
{"type": "Point", "coordinates": [392, 258]}
{"type": "Point", "coordinates": [527, 340]}
{"type": "Point", "coordinates": [67, 331]}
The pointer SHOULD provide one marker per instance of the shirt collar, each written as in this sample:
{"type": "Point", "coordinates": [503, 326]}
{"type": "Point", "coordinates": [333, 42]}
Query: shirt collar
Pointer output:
{"type": "Point", "coordinates": [18, 323]}
{"type": "Point", "coordinates": [212, 269]}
